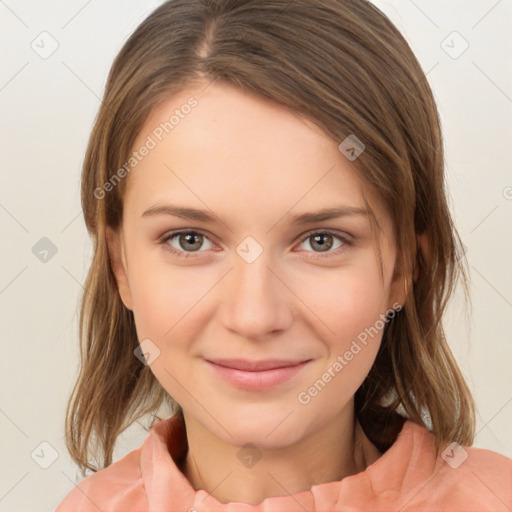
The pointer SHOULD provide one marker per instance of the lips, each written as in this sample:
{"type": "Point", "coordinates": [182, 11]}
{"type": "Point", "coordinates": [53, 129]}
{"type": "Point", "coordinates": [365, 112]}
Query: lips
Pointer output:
{"type": "Point", "coordinates": [256, 375]}
{"type": "Point", "coordinates": [255, 366]}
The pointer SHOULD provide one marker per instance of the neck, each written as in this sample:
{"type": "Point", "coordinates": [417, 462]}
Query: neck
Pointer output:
{"type": "Point", "coordinates": [334, 451]}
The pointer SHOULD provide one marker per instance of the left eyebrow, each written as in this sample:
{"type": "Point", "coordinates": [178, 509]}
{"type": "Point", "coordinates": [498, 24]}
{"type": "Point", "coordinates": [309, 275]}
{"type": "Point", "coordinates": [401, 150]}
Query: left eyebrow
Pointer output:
{"type": "Point", "coordinates": [329, 213]}
{"type": "Point", "coordinates": [302, 218]}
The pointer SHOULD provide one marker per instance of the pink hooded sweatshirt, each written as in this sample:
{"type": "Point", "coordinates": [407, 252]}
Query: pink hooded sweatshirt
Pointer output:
{"type": "Point", "coordinates": [407, 477]}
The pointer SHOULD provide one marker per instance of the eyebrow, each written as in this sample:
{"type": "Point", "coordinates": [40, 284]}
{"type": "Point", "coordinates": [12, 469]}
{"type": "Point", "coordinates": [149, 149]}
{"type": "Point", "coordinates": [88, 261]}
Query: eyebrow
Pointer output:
{"type": "Point", "coordinates": [206, 216]}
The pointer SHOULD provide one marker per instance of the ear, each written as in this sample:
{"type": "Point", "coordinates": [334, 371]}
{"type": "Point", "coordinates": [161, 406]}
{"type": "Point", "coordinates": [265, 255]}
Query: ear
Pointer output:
{"type": "Point", "coordinates": [397, 290]}
{"type": "Point", "coordinates": [422, 244]}
{"type": "Point", "coordinates": [398, 286]}
{"type": "Point", "coordinates": [119, 267]}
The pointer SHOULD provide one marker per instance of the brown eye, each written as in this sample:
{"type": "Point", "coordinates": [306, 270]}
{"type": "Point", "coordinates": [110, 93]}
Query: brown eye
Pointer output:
{"type": "Point", "coordinates": [183, 242]}
{"type": "Point", "coordinates": [324, 241]}
{"type": "Point", "coordinates": [191, 241]}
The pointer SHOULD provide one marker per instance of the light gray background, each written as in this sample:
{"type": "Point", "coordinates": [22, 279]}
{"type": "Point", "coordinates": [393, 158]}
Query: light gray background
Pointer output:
{"type": "Point", "coordinates": [47, 106]}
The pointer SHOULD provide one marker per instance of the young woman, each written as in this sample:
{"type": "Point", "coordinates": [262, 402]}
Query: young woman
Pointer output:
{"type": "Point", "coordinates": [273, 254]}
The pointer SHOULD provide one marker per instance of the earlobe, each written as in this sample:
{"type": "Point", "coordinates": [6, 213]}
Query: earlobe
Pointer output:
{"type": "Point", "coordinates": [118, 264]}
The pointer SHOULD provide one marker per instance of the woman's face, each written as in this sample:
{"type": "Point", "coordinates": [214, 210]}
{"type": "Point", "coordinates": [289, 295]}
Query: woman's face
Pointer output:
{"type": "Point", "coordinates": [253, 281]}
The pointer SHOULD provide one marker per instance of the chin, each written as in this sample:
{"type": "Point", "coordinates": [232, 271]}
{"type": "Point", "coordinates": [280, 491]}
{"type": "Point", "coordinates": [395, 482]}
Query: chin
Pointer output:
{"type": "Point", "coordinates": [265, 428]}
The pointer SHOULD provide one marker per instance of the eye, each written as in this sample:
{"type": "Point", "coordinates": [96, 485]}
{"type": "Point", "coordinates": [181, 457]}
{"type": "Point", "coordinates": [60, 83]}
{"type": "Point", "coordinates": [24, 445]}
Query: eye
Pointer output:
{"type": "Point", "coordinates": [323, 240]}
{"type": "Point", "coordinates": [186, 241]}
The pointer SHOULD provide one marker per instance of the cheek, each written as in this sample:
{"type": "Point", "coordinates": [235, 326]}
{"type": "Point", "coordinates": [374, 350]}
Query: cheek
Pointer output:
{"type": "Point", "coordinates": [167, 297]}
{"type": "Point", "coordinates": [351, 303]}
{"type": "Point", "coordinates": [347, 300]}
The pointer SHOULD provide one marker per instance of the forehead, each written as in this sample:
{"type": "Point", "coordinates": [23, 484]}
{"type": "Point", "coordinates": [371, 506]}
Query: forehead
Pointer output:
{"type": "Point", "coordinates": [235, 151]}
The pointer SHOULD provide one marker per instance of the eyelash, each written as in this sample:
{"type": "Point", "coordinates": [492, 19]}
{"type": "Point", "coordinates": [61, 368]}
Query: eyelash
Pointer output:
{"type": "Point", "coordinates": [183, 254]}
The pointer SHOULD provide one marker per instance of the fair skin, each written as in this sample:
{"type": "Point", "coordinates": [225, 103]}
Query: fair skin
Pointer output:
{"type": "Point", "coordinates": [255, 165]}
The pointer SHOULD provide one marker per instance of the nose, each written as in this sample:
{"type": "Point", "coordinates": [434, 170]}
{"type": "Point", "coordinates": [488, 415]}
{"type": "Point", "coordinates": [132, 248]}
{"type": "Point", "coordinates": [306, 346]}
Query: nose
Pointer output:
{"type": "Point", "coordinates": [257, 300]}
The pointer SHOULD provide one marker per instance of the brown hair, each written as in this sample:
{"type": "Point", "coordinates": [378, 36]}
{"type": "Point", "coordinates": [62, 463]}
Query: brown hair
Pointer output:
{"type": "Point", "coordinates": [343, 65]}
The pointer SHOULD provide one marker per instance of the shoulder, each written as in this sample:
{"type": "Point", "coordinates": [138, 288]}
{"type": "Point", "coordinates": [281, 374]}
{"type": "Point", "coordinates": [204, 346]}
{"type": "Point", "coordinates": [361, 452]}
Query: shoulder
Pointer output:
{"type": "Point", "coordinates": [411, 476]}
{"type": "Point", "coordinates": [479, 477]}
{"type": "Point", "coordinates": [463, 478]}
{"type": "Point", "coordinates": [117, 487]}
